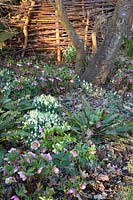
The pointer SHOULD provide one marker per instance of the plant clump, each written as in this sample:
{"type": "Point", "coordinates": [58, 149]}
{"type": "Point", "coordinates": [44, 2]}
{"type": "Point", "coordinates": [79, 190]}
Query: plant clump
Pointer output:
{"type": "Point", "coordinates": [43, 118]}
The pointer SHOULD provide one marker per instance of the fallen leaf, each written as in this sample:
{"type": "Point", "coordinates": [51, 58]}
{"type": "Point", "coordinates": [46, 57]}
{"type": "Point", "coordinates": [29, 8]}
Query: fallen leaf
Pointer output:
{"type": "Point", "coordinates": [100, 187]}
{"type": "Point", "coordinates": [104, 194]}
{"type": "Point", "coordinates": [101, 154]}
{"type": "Point", "coordinates": [83, 174]}
{"type": "Point", "coordinates": [117, 172]}
{"type": "Point", "coordinates": [102, 177]}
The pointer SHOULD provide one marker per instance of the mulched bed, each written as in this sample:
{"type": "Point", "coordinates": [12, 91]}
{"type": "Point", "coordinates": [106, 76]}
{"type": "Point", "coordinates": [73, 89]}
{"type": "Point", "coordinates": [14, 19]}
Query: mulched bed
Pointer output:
{"type": "Point", "coordinates": [113, 173]}
{"type": "Point", "coordinates": [73, 101]}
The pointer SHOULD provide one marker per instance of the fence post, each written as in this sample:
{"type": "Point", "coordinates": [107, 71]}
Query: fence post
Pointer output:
{"type": "Point", "coordinates": [86, 31]}
{"type": "Point", "coordinates": [94, 42]}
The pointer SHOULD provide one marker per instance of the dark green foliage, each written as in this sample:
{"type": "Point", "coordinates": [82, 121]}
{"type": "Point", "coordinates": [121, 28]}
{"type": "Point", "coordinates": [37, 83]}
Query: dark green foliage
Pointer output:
{"type": "Point", "coordinates": [97, 123]}
{"type": "Point", "coordinates": [11, 113]}
{"type": "Point", "coordinates": [129, 46]}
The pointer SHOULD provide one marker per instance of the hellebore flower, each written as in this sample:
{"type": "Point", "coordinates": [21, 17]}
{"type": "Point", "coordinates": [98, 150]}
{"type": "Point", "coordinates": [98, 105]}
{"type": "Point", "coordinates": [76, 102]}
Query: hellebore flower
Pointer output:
{"type": "Point", "coordinates": [35, 145]}
{"type": "Point", "coordinates": [71, 191]}
{"type": "Point", "coordinates": [56, 170]}
{"type": "Point", "coordinates": [14, 197]}
{"type": "Point", "coordinates": [10, 180]}
{"type": "Point", "coordinates": [22, 175]}
{"type": "Point", "coordinates": [39, 170]}
{"type": "Point", "coordinates": [12, 150]}
{"type": "Point", "coordinates": [30, 153]}
{"type": "Point", "coordinates": [74, 152]}
{"type": "Point", "coordinates": [47, 156]}
{"type": "Point", "coordinates": [83, 186]}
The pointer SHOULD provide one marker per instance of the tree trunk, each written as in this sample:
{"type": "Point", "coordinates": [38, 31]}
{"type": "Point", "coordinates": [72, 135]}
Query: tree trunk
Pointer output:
{"type": "Point", "coordinates": [74, 37]}
{"type": "Point", "coordinates": [101, 64]}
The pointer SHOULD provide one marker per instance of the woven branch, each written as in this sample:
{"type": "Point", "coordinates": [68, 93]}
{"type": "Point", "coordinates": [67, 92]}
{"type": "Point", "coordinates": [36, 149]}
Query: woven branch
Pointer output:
{"type": "Point", "coordinates": [43, 32]}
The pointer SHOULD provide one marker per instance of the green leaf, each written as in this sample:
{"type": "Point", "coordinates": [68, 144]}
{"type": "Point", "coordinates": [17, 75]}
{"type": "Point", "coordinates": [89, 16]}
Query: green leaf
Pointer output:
{"type": "Point", "coordinates": [15, 133]}
{"type": "Point", "coordinates": [125, 128]}
{"type": "Point", "coordinates": [9, 106]}
{"type": "Point", "coordinates": [2, 153]}
{"type": "Point", "coordinates": [30, 171]}
{"type": "Point", "coordinates": [3, 99]}
{"type": "Point", "coordinates": [6, 35]}
{"type": "Point", "coordinates": [110, 117]}
{"type": "Point", "coordinates": [4, 115]}
{"type": "Point", "coordinates": [6, 124]}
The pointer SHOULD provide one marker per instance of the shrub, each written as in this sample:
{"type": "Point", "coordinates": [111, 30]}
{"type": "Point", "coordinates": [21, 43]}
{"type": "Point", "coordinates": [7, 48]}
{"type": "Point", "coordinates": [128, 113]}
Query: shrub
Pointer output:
{"type": "Point", "coordinates": [27, 173]}
{"type": "Point", "coordinates": [38, 172]}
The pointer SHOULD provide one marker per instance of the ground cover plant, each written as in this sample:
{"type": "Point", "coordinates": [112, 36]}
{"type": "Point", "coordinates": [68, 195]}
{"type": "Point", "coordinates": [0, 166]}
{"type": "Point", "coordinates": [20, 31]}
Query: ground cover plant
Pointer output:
{"type": "Point", "coordinates": [61, 138]}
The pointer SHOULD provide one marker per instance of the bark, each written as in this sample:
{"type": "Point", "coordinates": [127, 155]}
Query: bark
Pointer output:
{"type": "Point", "coordinates": [74, 37]}
{"type": "Point", "coordinates": [101, 64]}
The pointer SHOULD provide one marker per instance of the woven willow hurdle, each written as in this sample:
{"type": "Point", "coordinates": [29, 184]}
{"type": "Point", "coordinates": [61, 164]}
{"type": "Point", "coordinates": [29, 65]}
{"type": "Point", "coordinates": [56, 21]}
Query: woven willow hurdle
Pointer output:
{"type": "Point", "coordinates": [41, 31]}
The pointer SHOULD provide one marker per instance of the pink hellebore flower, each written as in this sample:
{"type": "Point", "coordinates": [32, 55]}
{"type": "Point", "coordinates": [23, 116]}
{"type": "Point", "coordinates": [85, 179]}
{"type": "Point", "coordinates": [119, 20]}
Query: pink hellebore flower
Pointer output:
{"type": "Point", "coordinates": [39, 170]}
{"type": "Point", "coordinates": [58, 78]}
{"type": "Point", "coordinates": [43, 150]}
{"type": "Point", "coordinates": [10, 180]}
{"type": "Point", "coordinates": [46, 156]}
{"type": "Point", "coordinates": [35, 145]}
{"type": "Point", "coordinates": [42, 78]}
{"type": "Point", "coordinates": [14, 197]}
{"type": "Point", "coordinates": [51, 79]}
{"type": "Point", "coordinates": [71, 191]}
{"type": "Point", "coordinates": [15, 162]}
{"type": "Point", "coordinates": [28, 160]}
{"type": "Point", "coordinates": [74, 152]}
{"type": "Point", "coordinates": [71, 81]}
{"type": "Point", "coordinates": [83, 186]}
{"type": "Point", "coordinates": [56, 170]}
{"type": "Point", "coordinates": [32, 154]}
{"type": "Point", "coordinates": [12, 150]}
{"type": "Point", "coordinates": [22, 175]}
{"type": "Point", "coordinates": [16, 169]}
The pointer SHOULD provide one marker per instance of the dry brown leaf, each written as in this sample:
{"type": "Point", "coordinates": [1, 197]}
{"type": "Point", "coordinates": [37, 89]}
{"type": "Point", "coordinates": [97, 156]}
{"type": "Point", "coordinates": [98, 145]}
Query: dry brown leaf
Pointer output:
{"type": "Point", "coordinates": [101, 154]}
{"type": "Point", "coordinates": [83, 174]}
{"type": "Point", "coordinates": [104, 194]}
{"type": "Point", "coordinates": [100, 187]}
{"type": "Point", "coordinates": [103, 177]}
{"type": "Point", "coordinates": [117, 172]}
